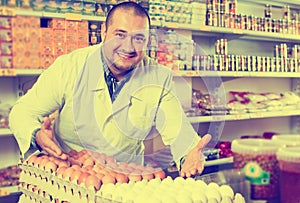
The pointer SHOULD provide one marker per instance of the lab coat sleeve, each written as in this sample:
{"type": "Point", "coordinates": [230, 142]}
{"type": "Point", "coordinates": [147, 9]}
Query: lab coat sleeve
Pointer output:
{"type": "Point", "coordinates": [43, 98]}
{"type": "Point", "coordinates": [173, 125]}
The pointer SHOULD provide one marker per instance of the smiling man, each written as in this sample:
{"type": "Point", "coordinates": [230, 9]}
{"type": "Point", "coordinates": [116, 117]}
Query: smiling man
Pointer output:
{"type": "Point", "coordinates": [109, 97]}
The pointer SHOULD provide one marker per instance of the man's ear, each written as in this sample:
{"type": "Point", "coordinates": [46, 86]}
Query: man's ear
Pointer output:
{"type": "Point", "coordinates": [103, 31]}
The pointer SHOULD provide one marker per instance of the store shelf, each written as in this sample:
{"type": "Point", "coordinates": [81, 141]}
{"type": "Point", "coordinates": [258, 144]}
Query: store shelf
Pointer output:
{"type": "Point", "coordinates": [205, 30]}
{"type": "Point", "coordinates": [188, 73]}
{"type": "Point", "coordinates": [196, 29]}
{"type": "Point", "coordinates": [20, 72]}
{"type": "Point", "coordinates": [69, 16]}
{"type": "Point", "coordinates": [6, 191]}
{"type": "Point", "coordinates": [245, 116]}
{"type": "Point", "coordinates": [5, 132]}
{"type": "Point", "coordinates": [219, 161]}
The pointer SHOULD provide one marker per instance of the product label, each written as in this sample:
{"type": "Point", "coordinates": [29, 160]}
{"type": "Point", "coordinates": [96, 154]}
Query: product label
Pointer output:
{"type": "Point", "coordinates": [255, 174]}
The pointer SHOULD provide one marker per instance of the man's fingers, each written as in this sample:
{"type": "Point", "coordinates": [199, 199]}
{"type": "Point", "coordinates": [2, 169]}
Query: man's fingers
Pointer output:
{"type": "Point", "coordinates": [46, 123]}
{"type": "Point", "coordinates": [203, 142]}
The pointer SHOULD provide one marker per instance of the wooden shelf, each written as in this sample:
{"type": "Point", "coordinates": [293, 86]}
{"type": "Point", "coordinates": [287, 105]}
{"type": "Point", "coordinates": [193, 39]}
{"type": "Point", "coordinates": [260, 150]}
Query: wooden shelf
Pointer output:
{"type": "Point", "coordinates": [5, 132]}
{"type": "Point", "coordinates": [6, 191]}
{"type": "Point", "coordinates": [196, 29]}
{"type": "Point", "coordinates": [221, 161]}
{"type": "Point", "coordinates": [190, 73]}
{"type": "Point", "coordinates": [245, 116]}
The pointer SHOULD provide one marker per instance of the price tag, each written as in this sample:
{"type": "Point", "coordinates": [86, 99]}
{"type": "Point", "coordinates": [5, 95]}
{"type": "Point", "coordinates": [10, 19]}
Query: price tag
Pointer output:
{"type": "Point", "coordinates": [172, 25]}
{"type": "Point", "coordinates": [237, 74]}
{"type": "Point", "coordinates": [257, 115]}
{"type": "Point", "coordinates": [4, 192]}
{"type": "Point", "coordinates": [237, 31]}
{"type": "Point", "coordinates": [8, 72]}
{"type": "Point", "coordinates": [5, 11]}
{"type": "Point", "coordinates": [190, 73]}
{"type": "Point", "coordinates": [205, 28]}
{"type": "Point", "coordinates": [73, 16]}
{"type": "Point", "coordinates": [218, 118]}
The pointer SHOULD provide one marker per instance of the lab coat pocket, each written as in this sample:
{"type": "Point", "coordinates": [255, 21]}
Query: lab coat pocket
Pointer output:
{"type": "Point", "coordinates": [141, 113]}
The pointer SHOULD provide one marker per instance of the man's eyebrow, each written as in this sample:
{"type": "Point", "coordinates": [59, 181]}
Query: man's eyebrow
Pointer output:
{"type": "Point", "coordinates": [120, 30]}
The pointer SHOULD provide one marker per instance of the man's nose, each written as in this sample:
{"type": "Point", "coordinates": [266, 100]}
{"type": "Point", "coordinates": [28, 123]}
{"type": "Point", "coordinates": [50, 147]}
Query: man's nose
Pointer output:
{"type": "Point", "coordinates": [128, 45]}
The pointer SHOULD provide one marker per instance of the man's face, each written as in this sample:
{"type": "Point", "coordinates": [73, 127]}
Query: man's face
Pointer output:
{"type": "Point", "coordinates": [125, 40]}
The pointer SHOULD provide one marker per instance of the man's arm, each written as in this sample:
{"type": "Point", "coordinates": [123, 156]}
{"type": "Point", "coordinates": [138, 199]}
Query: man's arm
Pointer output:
{"type": "Point", "coordinates": [177, 131]}
{"type": "Point", "coordinates": [42, 99]}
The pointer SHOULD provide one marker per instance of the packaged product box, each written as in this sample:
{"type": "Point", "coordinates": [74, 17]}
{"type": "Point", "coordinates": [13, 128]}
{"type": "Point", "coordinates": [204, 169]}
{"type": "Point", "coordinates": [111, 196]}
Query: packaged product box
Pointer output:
{"type": "Point", "coordinates": [83, 26]}
{"type": "Point", "coordinates": [101, 9]}
{"type": "Point", "coordinates": [46, 61]}
{"type": "Point", "coordinates": [57, 23]}
{"type": "Point", "coordinates": [64, 6]}
{"type": "Point", "coordinates": [6, 62]}
{"type": "Point", "coordinates": [51, 6]}
{"type": "Point", "coordinates": [38, 5]}
{"type": "Point", "coordinates": [5, 35]}
{"type": "Point", "coordinates": [6, 48]}
{"type": "Point", "coordinates": [76, 6]}
{"type": "Point", "coordinates": [83, 39]}
{"type": "Point", "coordinates": [5, 22]}
{"type": "Point", "coordinates": [88, 7]}
{"type": "Point", "coordinates": [25, 4]}
{"type": "Point", "coordinates": [71, 26]}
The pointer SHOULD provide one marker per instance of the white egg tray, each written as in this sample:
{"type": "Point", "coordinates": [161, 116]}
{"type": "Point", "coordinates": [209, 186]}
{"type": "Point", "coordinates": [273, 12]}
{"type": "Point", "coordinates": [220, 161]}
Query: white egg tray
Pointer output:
{"type": "Point", "coordinates": [43, 186]}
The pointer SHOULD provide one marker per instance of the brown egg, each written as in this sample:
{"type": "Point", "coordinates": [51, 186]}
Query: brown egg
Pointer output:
{"type": "Point", "coordinates": [83, 177]}
{"type": "Point", "coordinates": [72, 152]}
{"type": "Point", "coordinates": [121, 178]}
{"type": "Point", "coordinates": [60, 170]}
{"type": "Point", "coordinates": [51, 166]}
{"type": "Point", "coordinates": [97, 168]}
{"type": "Point", "coordinates": [31, 160]}
{"type": "Point", "coordinates": [43, 162]}
{"type": "Point", "coordinates": [89, 162]}
{"type": "Point", "coordinates": [63, 163]}
{"type": "Point", "coordinates": [75, 175]}
{"type": "Point", "coordinates": [132, 165]}
{"type": "Point", "coordinates": [74, 161]}
{"type": "Point", "coordinates": [94, 181]}
{"type": "Point", "coordinates": [68, 173]}
{"type": "Point", "coordinates": [159, 173]}
{"type": "Point", "coordinates": [110, 159]}
{"type": "Point", "coordinates": [82, 152]}
{"type": "Point", "coordinates": [76, 167]}
{"type": "Point", "coordinates": [108, 179]}
{"type": "Point", "coordinates": [134, 177]}
{"type": "Point", "coordinates": [100, 175]}
{"type": "Point", "coordinates": [147, 176]}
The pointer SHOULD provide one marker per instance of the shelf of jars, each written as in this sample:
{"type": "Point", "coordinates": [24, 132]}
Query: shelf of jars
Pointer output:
{"type": "Point", "coordinates": [244, 116]}
{"type": "Point", "coordinates": [197, 29]}
{"type": "Point", "coordinates": [192, 73]}
{"type": "Point", "coordinates": [177, 73]}
{"type": "Point", "coordinates": [11, 72]}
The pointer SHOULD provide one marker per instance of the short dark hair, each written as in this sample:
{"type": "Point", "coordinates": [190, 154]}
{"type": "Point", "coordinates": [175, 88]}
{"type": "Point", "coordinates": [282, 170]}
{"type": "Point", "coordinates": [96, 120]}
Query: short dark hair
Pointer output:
{"type": "Point", "coordinates": [129, 5]}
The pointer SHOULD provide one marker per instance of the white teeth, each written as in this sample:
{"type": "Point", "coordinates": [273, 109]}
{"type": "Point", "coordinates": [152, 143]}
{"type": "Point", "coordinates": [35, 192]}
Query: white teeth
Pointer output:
{"type": "Point", "coordinates": [125, 55]}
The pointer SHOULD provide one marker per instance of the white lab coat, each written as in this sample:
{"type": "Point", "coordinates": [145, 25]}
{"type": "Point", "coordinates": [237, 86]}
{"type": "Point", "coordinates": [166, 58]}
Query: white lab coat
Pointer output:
{"type": "Point", "coordinates": [75, 85]}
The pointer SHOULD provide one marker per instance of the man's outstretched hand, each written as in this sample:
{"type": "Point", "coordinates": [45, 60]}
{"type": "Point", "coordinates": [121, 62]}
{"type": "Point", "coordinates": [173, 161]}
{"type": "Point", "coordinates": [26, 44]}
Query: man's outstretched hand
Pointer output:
{"type": "Point", "coordinates": [194, 161]}
{"type": "Point", "coordinates": [45, 139]}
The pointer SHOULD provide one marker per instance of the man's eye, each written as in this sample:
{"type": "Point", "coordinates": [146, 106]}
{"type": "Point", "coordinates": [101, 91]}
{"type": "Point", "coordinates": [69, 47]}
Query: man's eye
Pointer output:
{"type": "Point", "coordinates": [139, 39]}
{"type": "Point", "coordinates": [120, 35]}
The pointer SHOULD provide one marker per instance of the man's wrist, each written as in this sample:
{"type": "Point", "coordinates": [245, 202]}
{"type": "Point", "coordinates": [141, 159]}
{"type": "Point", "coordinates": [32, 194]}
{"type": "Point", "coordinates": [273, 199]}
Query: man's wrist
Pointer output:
{"type": "Point", "coordinates": [33, 140]}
